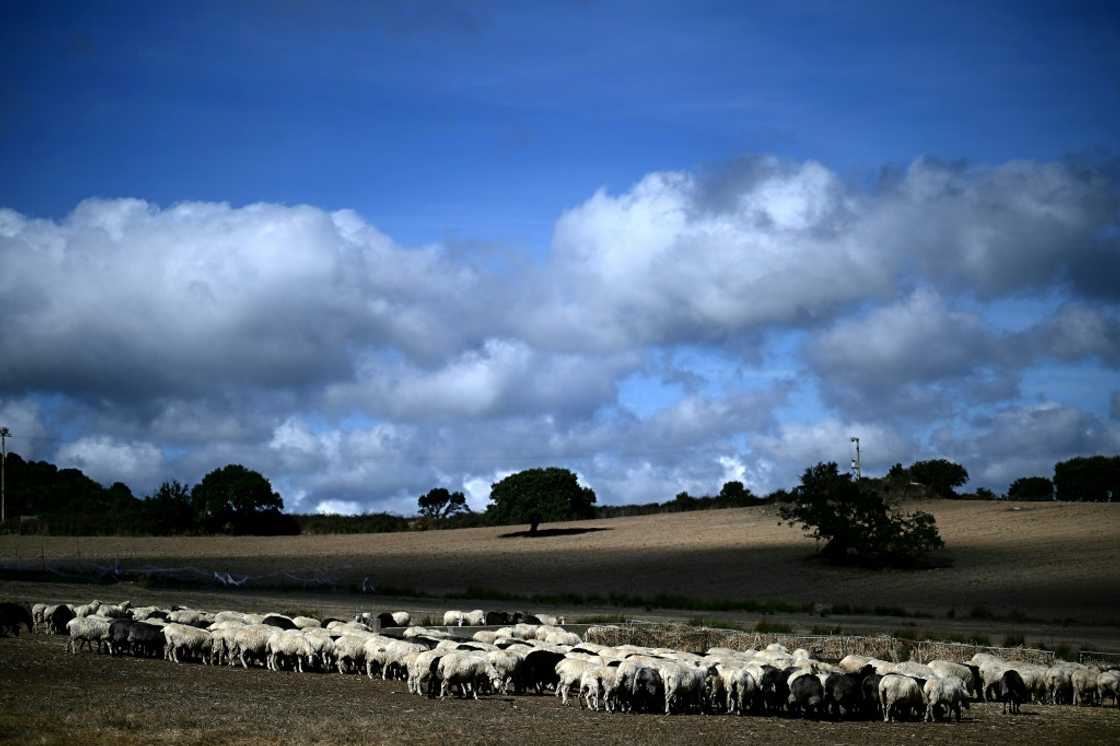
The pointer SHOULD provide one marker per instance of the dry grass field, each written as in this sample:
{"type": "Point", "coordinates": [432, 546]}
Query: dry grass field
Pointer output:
{"type": "Point", "coordinates": [1046, 560]}
{"type": "Point", "coordinates": [48, 696]}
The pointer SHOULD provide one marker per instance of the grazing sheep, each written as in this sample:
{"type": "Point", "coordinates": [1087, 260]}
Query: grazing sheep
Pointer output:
{"type": "Point", "coordinates": [844, 692]}
{"type": "Point", "coordinates": [86, 632]}
{"type": "Point", "coordinates": [453, 618]}
{"type": "Point", "coordinates": [1059, 680]}
{"type": "Point", "coordinates": [569, 671]}
{"type": "Point", "coordinates": [508, 666]}
{"type": "Point", "coordinates": [806, 695]}
{"type": "Point", "coordinates": [647, 690]}
{"type": "Point", "coordinates": [1011, 690]}
{"type": "Point", "coordinates": [250, 644]}
{"type": "Point", "coordinates": [684, 687]}
{"type": "Point", "coordinates": [288, 647]}
{"type": "Point", "coordinates": [900, 696]}
{"type": "Point", "coordinates": [468, 672]}
{"type": "Point", "coordinates": [395, 653]}
{"type": "Point", "coordinates": [189, 617]}
{"type": "Point", "coordinates": [187, 642]}
{"type": "Point", "coordinates": [279, 621]}
{"type": "Point", "coordinates": [970, 675]}
{"type": "Point", "coordinates": [742, 690]}
{"type": "Point", "coordinates": [1084, 682]}
{"type": "Point", "coordinates": [306, 622]}
{"type": "Point", "coordinates": [322, 648]}
{"type": "Point", "coordinates": [12, 616]}
{"type": "Point", "coordinates": [56, 617]}
{"type": "Point", "coordinates": [423, 671]}
{"type": "Point", "coordinates": [87, 609]}
{"type": "Point", "coordinates": [1108, 685]}
{"type": "Point", "coordinates": [145, 639]}
{"type": "Point", "coordinates": [37, 618]}
{"type": "Point", "coordinates": [401, 618]}
{"type": "Point", "coordinates": [475, 618]}
{"type": "Point", "coordinates": [949, 693]}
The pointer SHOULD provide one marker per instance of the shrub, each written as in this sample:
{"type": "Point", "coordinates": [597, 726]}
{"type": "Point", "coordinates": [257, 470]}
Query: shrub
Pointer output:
{"type": "Point", "coordinates": [856, 523]}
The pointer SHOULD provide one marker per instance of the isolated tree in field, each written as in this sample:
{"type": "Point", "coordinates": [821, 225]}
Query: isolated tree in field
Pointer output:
{"type": "Point", "coordinates": [940, 475]}
{"type": "Point", "coordinates": [439, 503]}
{"type": "Point", "coordinates": [1031, 488]}
{"type": "Point", "coordinates": [735, 491]}
{"type": "Point", "coordinates": [855, 522]}
{"type": "Point", "coordinates": [234, 499]}
{"type": "Point", "coordinates": [551, 494]}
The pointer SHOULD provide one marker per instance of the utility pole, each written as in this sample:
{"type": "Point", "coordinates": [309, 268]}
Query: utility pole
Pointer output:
{"type": "Point", "coordinates": [5, 433]}
{"type": "Point", "coordinates": [856, 466]}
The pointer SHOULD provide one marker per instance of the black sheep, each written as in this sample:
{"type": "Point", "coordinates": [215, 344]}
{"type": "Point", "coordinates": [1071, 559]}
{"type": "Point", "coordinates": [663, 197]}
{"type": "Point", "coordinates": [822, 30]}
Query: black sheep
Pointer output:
{"type": "Point", "coordinates": [538, 672]}
{"type": "Point", "coordinates": [58, 619]}
{"type": "Point", "coordinates": [806, 695]}
{"type": "Point", "coordinates": [775, 691]}
{"type": "Point", "coordinates": [647, 691]}
{"type": "Point", "coordinates": [146, 639]}
{"type": "Point", "coordinates": [870, 687]}
{"type": "Point", "coordinates": [385, 620]}
{"type": "Point", "coordinates": [498, 618]}
{"type": "Point", "coordinates": [118, 636]}
{"type": "Point", "coordinates": [1012, 691]}
{"type": "Point", "coordinates": [275, 620]}
{"type": "Point", "coordinates": [844, 693]}
{"type": "Point", "coordinates": [11, 616]}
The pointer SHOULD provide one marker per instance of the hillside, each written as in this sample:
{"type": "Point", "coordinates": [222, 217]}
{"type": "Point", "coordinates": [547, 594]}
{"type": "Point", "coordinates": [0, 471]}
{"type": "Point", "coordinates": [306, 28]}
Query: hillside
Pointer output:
{"type": "Point", "coordinates": [1044, 559]}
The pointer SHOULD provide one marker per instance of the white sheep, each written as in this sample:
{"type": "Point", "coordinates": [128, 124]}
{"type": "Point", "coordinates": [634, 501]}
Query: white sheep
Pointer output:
{"type": "Point", "coordinates": [897, 694]}
{"type": "Point", "coordinates": [87, 609]}
{"type": "Point", "coordinates": [452, 618]}
{"type": "Point", "coordinates": [742, 689]}
{"type": "Point", "coordinates": [475, 618]}
{"type": "Point", "coordinates": [420, 670]}
{"type": "Point", "coordinates": [250, 644]}
{"type": "Point", "coordinates": [185, 641]}
{"type": "Point", "coordinates": [596, 686]}
{"type": "Point", "coordinates": [949, 692]}
{"type": "Point", "coordinates": [401, 618]}
{"type": "Point", "coordinates": [395, 653]}
{"type": "Point", "coordinates": [349, 652]}
{"type": "Point", "coordinates": [1084, 682]}
{"type": "Point", "coordinates": [288, 647]}
{"type": "Point", "coordinates": [37, 619]}
{"type": "Point", "coordinates": [306, 622]}
{"type": "Point", "coordinates": [570, 671]}
{"type": "Point", "coordinates": [466, 671]}
{"type": "Point", "coordinates": [322, 647]}
{"type": "Point", "coordinates": [684, 687]}
{"type": "Point", "coordinates": [85, 632]}
{"type": "Point", "coordinates": [943, 669]}
{"type": "Point", "coordinates": [508, 665]}
{"type": "Point", "coordinates": [1108, 685]}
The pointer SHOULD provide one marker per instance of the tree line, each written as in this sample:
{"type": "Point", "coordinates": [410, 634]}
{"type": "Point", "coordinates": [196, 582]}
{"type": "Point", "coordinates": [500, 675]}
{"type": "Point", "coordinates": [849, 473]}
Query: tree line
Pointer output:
{"type": "Point", "coordinates": [236, 500]}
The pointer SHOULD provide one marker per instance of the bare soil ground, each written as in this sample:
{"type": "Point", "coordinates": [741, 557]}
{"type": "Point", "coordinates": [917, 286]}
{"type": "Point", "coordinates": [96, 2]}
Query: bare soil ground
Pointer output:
{"type": "Point", "coordinates": [1047, 560]}
{"type": "Point", "coordinates": [49, 696]}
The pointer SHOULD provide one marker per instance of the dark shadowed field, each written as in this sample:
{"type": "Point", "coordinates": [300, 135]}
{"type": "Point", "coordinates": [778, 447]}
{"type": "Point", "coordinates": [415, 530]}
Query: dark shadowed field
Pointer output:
{"type": "Point", "coordinates": [49, 696]}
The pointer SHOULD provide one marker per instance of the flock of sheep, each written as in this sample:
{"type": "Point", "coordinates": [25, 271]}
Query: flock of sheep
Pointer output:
{"type": "Point", "coordinates": [534, 654]}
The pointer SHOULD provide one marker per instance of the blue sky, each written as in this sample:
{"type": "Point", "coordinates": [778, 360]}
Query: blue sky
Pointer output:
{"type": "Point", "coordinates": [349, 242]}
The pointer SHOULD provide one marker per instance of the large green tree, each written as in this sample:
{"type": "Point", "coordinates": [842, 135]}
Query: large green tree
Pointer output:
{"type": "Point", "coordinates": [234, 499]}
{"type": "Point", "coordinates": [539, 495]}
{"type": "Point", "coordinates": [855, 522]}
{"type": "Point", "coordinates": [940, 475]}
{"type": "Point", "coordinates": [1093, 478]}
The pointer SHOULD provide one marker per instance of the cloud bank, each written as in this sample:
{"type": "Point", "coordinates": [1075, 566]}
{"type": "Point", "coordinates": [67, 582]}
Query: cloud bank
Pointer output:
{"type": "Point", "coordinates": [770, 309]}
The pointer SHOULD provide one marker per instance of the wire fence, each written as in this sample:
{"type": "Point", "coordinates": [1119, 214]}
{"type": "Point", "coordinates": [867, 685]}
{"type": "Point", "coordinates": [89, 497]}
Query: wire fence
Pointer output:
{"type": "Point", "coordinates": [1099, 658]}
{"type": "Point", "coordinates": [86, 571]}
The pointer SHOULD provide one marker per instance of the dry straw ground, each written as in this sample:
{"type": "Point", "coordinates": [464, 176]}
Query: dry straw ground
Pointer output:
{"type": "Point", "coordinates": [49, 696]}
{"type": "Point", "coordinates": [1047, 560]}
